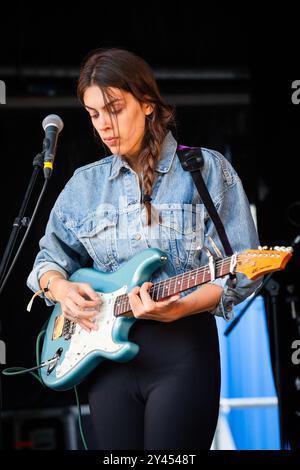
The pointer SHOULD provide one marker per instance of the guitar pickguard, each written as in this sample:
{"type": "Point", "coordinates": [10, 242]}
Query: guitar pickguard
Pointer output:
{"type": "Point", "coordinates": [83, 343]}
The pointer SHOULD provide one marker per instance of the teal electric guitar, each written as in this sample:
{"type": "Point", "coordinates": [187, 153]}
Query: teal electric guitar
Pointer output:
{"type": "Point", "coordinates": [70, 353]}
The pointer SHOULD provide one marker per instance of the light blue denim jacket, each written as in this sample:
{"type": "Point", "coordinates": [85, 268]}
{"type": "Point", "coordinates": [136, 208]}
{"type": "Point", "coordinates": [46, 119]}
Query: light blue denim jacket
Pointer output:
{"type": "Point", "coordinates": [98, 216]}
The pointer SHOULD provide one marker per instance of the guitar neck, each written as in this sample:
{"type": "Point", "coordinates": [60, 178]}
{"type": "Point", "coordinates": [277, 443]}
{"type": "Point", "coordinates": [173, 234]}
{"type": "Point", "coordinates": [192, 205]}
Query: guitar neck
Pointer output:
{"type": "Point", "coordinates": [180, 283]}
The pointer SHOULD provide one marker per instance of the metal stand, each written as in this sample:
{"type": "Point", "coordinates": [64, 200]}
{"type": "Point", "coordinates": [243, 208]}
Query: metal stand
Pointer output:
{"type": "Point", "coordinates": [273, 289]}
{"type": "Point", "coordinates": [20, 221]}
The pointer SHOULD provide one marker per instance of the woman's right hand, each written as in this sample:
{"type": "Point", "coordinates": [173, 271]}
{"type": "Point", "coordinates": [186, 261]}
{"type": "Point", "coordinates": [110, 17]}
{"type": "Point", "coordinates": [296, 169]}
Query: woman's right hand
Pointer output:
{"type": "Point", "coordinates": [79, 302]}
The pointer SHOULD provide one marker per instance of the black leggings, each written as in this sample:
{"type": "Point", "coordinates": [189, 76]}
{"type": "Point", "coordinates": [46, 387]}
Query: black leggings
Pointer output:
{"type": "Point", "coordinates": [167, 397]}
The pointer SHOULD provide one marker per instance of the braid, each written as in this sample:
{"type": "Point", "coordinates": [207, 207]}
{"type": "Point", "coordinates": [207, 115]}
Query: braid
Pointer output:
{"type": "Point", "coordinates": [156, 131]}
{"type": "Point", "coordinates": [148, 178]}
{"type": "Point", "coordinates": [118, 68]}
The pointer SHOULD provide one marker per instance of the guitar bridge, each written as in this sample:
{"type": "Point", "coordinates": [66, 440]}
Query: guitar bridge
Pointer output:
{"type": "Point", "coordinates": [68, 329]}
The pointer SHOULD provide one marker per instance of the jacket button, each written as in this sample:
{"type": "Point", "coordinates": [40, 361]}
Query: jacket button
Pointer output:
{"type": "Point", "coordinates": [138, 236]}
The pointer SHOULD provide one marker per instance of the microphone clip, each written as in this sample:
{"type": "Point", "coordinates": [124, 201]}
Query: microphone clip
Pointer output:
{"type": "Point", "coordinates": [38, 160]}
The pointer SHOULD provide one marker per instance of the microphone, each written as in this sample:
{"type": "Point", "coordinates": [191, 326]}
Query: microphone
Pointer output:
{"type": "Point", "coordinates": [52, 126]}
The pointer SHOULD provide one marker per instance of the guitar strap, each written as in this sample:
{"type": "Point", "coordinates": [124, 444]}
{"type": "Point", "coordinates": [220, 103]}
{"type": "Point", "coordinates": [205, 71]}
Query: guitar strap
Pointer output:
{"type": "Point", "coordinates": [192, 160]}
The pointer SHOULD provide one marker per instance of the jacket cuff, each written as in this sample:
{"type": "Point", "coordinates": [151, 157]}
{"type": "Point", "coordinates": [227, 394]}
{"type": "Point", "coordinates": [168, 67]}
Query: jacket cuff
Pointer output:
{"type": "Point", "coordinates": [36, 274]}
{"type": "Point", "coordinates": [225, 306]}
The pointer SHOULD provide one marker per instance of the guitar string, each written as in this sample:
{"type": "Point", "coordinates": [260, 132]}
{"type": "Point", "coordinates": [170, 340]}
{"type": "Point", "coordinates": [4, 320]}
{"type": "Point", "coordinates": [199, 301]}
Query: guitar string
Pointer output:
{"type": "Point", "coordinates": [171, 282]}
{"type": "Point", "coordinates": [181, 278]}
{"type": "Point", "coordinates": [123, 302]}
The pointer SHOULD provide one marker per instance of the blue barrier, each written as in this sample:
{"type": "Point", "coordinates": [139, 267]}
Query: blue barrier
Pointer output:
{"type": "Point", "coordinates": [247, 372]}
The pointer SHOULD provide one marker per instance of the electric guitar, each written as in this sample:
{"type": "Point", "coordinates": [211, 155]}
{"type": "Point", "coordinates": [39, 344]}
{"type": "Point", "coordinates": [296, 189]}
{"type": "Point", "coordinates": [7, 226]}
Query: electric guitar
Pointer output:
{"type": "Point", "coordinates": [70, 353]}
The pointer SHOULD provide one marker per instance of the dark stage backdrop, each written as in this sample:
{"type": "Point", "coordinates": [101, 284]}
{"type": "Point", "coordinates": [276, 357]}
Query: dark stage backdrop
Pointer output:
{"type": "Point", "coordinates": [230, 74]}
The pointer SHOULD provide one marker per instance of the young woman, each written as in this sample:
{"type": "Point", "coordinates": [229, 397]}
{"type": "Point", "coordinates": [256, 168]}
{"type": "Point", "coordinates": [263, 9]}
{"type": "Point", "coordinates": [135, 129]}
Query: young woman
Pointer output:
{"type": "Point", "coordinates": [167, 397]}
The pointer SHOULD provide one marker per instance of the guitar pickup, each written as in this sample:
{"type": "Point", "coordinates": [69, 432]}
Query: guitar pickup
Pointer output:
{"type": "Point", "coordinates": [58, 327]}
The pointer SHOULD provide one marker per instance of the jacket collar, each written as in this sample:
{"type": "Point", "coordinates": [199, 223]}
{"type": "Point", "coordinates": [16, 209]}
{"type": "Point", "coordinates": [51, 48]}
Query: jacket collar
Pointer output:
{"type": "Point", "coordinates": [168, 152]}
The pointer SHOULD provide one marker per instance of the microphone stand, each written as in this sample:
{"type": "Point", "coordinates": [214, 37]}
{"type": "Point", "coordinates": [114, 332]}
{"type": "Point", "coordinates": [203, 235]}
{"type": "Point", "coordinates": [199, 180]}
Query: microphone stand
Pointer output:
{"type": "Point", "coordinates": [19, 222]}
{"type": "Point", "coordinates": [273, 289]}
{"type": "Point", "coordinates": [38, 162]}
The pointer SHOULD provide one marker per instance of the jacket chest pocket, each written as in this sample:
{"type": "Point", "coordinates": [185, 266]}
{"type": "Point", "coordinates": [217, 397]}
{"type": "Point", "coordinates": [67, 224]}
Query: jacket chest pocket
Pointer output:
{"type": "Point", "coordinates": [181, 235]}
{"type": "Point", "coordinates": [99, 237]}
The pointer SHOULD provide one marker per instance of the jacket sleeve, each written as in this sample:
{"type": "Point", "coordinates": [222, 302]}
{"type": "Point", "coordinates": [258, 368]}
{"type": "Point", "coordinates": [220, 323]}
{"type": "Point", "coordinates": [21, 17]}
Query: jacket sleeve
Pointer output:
{"type": "Point", "coordinates": [60, 250]}
{"type": "Point", "coordinates": [234, 210]}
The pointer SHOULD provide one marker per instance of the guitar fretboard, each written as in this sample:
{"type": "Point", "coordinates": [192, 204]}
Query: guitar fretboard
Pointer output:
{"type": "Point", "coordinates": [176, 284]}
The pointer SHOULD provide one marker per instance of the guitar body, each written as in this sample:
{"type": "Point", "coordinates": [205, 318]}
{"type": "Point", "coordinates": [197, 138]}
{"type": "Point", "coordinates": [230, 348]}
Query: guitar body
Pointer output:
{"type": "Point", "coordinates": [70, 353]}
{"type": "Point", "coordinates": [80, 351]}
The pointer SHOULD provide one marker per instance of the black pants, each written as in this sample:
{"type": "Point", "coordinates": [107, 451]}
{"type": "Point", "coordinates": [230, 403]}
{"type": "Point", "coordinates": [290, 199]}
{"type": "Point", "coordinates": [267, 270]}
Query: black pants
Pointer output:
{"type": "Point", "coordinates": [167, 397]}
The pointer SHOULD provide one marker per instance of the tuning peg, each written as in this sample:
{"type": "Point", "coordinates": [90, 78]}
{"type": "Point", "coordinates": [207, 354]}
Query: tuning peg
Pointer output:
{"type": "Point", "coordinates": [283, 248]}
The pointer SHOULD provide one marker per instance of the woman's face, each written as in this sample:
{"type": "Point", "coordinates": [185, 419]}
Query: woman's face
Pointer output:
{"type": "Point", "coordinates": [120, 122]}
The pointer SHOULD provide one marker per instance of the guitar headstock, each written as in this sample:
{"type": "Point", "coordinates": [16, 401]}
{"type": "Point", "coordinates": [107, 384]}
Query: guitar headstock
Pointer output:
{"type": "Point", "coordinates": [256, 263]}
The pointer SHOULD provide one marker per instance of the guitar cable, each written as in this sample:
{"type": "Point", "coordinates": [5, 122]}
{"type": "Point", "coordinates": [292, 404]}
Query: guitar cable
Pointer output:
{"type": "Point", "coordinates": [9, 371]}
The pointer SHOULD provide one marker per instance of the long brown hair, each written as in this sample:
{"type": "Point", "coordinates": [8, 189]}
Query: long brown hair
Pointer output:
{"type": "Point", "coordinates": [119, 68]}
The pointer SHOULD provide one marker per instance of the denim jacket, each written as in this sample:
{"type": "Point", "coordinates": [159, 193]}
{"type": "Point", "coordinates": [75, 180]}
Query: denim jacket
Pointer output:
{"type": "Point", "coordinates": [98, 216]}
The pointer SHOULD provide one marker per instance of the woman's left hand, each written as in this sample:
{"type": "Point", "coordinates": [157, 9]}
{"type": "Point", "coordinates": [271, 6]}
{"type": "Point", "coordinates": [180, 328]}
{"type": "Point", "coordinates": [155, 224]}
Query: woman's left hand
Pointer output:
{"type": "Point", "coordinates": [146, 308]}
